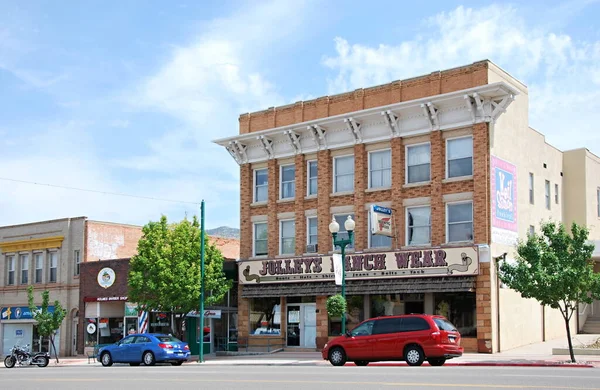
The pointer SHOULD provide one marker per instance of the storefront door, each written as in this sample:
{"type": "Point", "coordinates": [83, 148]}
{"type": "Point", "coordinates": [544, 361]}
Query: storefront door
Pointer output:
{"type": "Point", "coordinates": [302, 325]}
{"type": "Point", "coordinates": [17, 334]}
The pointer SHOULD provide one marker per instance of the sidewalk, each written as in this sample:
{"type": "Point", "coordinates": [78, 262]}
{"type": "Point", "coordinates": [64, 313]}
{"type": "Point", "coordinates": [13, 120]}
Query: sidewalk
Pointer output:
{"type": "Point", "coordinates": [533, 355]}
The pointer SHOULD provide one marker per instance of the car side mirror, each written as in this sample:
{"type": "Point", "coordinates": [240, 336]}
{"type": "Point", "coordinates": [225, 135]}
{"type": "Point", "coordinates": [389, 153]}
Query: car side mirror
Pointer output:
{"type": "Point", "coordinates": [348, 334]}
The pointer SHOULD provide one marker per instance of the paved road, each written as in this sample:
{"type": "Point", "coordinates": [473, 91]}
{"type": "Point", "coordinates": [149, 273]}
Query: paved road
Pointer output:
{"type": "Point", "coordinates": [296, 377]}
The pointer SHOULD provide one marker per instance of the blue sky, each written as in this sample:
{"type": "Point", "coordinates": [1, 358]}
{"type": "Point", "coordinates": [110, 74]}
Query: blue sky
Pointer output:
{"type": "Point", "coordinates": [125, 97]}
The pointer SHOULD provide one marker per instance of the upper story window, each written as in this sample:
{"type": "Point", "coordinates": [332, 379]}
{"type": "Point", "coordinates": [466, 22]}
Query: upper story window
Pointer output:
{"type": "Point", "coordinates": [547, 193]}
{"type": "Point", "coordinates": [24, 269]}
{"type": "Point", "coordinates": [39, 267]}
{"type": "Point", "coordinates": [53, 267]}
{"type": "Point", "coordinates": [260, 239]}
{"type": "Point", "coordinates": [418, 163]}
{"type": "Point", "coordinates": [418, 225]}
{"type": "Point", "coordinates": [531, 230]}
{"type": "Point", "coordinates": [261, 184]}
{"type": "Point", "coordinates": [377, 240]}
{"type": "Point", "coordinates": [459, 156]}
{"type": "Point", "coordinates": [598, 201]}
{"type": "Point", "coordinates": [312, 171]}
{"type": "Point", "coordinates": [531, 194]}
{"type": "Point", "coordinates": [77, 259]}
{"type": "Point", "coordinates": [312, 231]}
{"type": "Point", "coordinates": [343, 174]}
{"type": "Point", "coordinates": [10, 270]}
{"type": "Point", "coordinates": [556, 193]}
{"type": "Point", "coordinates": [343, 234]}
{"type": "Point", "coordinates": [460, 222]}
{"type": "Point", "coordinates": [380, 169]}
{"type": "Point", "coordinates": [288, 181]}
{"type": "Point", "coordinates": [287, 234]}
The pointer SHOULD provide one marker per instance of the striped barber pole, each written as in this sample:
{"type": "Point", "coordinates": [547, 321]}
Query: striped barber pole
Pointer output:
{"type": "Point", "coordinates": [143, 321]}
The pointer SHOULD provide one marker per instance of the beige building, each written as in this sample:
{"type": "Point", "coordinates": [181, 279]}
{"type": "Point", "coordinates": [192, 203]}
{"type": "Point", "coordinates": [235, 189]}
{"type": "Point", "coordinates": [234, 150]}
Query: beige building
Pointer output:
{"type": "Point", "coordinates": [453, 156]}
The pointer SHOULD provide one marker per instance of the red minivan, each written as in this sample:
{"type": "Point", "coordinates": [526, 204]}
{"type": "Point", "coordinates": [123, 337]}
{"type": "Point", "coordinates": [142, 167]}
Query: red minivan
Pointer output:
{"type": "Point", "coordinates": [412, 337]}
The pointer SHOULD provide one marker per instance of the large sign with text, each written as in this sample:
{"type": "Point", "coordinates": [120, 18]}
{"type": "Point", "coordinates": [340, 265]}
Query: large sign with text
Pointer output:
{"type": "Point", "coordinates": [401, 264]}
{"type": "Point", "coordinates": [19, 312]}
{"type": "Point", "coordinates": [504, 201]}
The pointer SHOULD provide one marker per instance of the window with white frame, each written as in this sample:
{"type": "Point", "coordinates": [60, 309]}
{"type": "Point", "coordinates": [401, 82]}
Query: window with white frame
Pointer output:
{"type": "Point", "coordinates": [77, 259]}
{"type": "Point", "coordinates": [377, 240]}
{"type": "Point", "coordinates": [418, 225]}
{"type": "Point", "coordinates": [418, 163]}
{"type": "Point", "coordinates": [260, 239]}
{"type": "Point", "coordinates": [24, 269]}
{"type": "Point", "coordinates": [53, 267]}
{"type": "Point", "coordinates": [10, 270]}
{"type": "Point", "coordinates": [531, 195]}
{"type": "Point", "coordinates": [459, 156]}
{"type": "Point", "coordinates": [261, 184]}
{"type": "Point", "coordinates": [531, 230]}
{"type": "Point", "coordinates": [287, 233]}
{"type": "Point", "coordinates": [312, 173]}
{"type": "Point", "coordinates": [343, 233]}
{"type": "Point", "coordinates": [547, 193]}
{"type": "Point", "coordinates": [343, 168]}
{"type": "Point", "coordinates": [288, 181]}
{"type": "Point", "coordinates": [460, 221]}
{"type": "Point", "coordinates": [39, 267]}
{"type": "Point", "coordinates": [380, 169]}
{"type": "Point", "coordinates": [312, 231]}
{"type": "Point", "coordinates": [556, 193]}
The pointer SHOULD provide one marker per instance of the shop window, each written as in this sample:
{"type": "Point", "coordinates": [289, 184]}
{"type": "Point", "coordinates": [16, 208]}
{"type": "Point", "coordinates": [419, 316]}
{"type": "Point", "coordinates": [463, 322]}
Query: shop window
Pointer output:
{"type": "Point", "coordinates": [459, 152]}
{"type": "Point", "coordinates": [343, 174]}
{"type": "Point", "coordinates": [260, 239]}
{"type": "Point", "coordinates": [10, 268]}
{"type": "Point", "coordinates": [418, 225]}
{"type": "Point", "coordinates": [77, 259]}
{"type": "Point", "coordinates": [460, 222]}
{"type": "Point", "coordinates": [377, 240]}
{"type": "Point", "coordinates": [53, 267]}
{"type": "Point", "coordinates": [343, 234]}
{"type": "Point", "coordinates": [288, 181]}
{"type": "Point", "coordinates": [380, 169]}
{"type": "Point", "coordinates": [386, 305]}
{"type": "Point", "coordinates": [460, 309]}
{"type": "Point", "coordinates": [261, 184]}
{"type": "Point", "coordinates": [287, 233]}
{"type": "Point", "coordinates": [418, 163]}
{"type": "Point", "coordinates": [265, 316]}
{"type": "Point", "coordinates": [91, 332]}
{"type": "Point", "coordinates": [159, 322]}
{"type": "Point", "coordinates": [110, 330]}
{"type": "Point", "coordinates": [40, 343]}
{"type": "Point", "coordinates": [354, 315]}
{"type": "Point", "coordinates": [39, 267]}
{"type": "Point", "coordinates": [24, 269]}
{"type": "Point", "coordinates": [312, 178]}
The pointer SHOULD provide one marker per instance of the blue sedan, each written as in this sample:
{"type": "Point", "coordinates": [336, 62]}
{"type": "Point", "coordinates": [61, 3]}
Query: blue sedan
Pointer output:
{"type": "Point", "coordinates": [147, 348]}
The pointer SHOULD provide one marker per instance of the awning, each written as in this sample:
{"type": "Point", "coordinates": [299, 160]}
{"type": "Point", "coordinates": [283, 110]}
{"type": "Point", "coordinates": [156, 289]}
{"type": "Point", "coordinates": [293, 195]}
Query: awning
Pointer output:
{"type": "Point", "coordinates": [357, 287]}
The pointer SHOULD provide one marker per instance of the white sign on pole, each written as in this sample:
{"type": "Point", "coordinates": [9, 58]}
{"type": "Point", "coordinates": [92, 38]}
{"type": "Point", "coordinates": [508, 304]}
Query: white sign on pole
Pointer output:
{"type": "Point", "coordinates": [381, 221]}
{"type": "Point", "coordinates": [337, 268]}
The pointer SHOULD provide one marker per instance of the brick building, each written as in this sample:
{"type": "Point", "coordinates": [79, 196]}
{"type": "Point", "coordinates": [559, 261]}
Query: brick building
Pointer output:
{"type": "Point", "coordinates": [451, 154]}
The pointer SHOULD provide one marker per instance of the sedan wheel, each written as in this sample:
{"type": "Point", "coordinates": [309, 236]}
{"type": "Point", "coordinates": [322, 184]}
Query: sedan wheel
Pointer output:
{"type": "Point", "coordinates": [337, 356]}
{"type": "Point", "coordinates": [106, 359]}
{"type": "Point", "coordinates": [436, 361]}
{"type": "Point", "coordinates": [414, 355]}
{"type": "Point", "coordinates": [148, 358]}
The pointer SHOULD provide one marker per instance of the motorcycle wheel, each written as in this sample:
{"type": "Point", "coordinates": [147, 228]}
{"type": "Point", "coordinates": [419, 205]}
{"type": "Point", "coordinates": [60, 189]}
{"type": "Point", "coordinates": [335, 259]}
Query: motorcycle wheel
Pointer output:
{"type": "Point", "coordinates": [10, 361]}
{"type": "Point", "coordinates": [42, 361]}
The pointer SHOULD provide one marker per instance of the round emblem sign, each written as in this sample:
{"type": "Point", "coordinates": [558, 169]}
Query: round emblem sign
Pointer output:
{"type": "Point", "coordinates": [106, 277]}
{"type": "Point", "coordinates": [91, 328]}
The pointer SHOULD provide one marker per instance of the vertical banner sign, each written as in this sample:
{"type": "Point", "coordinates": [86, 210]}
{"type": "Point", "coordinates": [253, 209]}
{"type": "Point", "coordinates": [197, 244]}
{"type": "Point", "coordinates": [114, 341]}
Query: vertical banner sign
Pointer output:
{"type": "Point", "coordinates": [381, 221]}
{"type": "Point", "coordinates": [504, 202]}
{"type": "Point", "coordinates": [337, 268]}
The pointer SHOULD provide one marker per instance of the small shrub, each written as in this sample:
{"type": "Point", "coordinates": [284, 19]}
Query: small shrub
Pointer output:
{"type": "Point", "coordinates": [336, 305]}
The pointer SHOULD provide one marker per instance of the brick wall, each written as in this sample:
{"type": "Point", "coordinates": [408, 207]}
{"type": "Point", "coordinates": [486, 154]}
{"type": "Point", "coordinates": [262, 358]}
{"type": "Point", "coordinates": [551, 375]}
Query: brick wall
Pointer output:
{"type": "Point", "coordinates": [110, 241]}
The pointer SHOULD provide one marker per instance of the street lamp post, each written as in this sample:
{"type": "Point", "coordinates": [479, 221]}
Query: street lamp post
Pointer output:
{"type": "Point", "coordinates": [334, 228]}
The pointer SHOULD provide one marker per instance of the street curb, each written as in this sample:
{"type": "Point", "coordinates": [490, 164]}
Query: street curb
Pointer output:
{"type": "Point", "coordinates": [488, 364]}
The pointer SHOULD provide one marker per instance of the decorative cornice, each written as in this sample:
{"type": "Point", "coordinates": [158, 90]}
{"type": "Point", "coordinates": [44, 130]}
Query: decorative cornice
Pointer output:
{"type": "Point", "coordinates": [32, 244]}
{"type": "Point", "coordinates": [444, 112]}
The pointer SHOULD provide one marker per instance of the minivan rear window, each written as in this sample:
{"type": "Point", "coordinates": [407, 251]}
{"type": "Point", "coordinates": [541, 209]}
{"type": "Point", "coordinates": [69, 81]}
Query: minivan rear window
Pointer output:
{"type": "Point", "coordinates": [444, 324]}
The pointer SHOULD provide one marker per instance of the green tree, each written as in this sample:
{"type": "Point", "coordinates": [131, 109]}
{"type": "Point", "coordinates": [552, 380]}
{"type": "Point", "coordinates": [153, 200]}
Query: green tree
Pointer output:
{"type": "Point", "coordinates": [47, 322]}
{"type": "Point", "coordinates": [556, 269]}
{"type": "Point", "coordinates": [165, 274]}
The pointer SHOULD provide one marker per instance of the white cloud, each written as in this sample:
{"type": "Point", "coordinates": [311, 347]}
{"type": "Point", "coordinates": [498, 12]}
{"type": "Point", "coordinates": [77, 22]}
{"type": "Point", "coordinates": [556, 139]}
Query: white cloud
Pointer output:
{"type": "Point", "coordinates": [562, 73]}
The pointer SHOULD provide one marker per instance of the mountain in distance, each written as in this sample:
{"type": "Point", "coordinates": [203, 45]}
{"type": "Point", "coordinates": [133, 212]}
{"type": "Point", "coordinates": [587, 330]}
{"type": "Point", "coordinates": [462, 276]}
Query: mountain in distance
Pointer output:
{"type": "Point", "coordinates": [224, 231]}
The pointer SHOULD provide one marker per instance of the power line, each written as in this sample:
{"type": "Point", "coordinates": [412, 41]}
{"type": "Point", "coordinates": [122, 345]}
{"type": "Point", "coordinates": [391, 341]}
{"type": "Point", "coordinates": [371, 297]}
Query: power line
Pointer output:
{"type": "Point", "coordinates": [97, 192]}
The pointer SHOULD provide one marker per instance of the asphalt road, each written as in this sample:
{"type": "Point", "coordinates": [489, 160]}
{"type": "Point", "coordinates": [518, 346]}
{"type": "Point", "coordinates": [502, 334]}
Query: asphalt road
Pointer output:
{"type": "Point", "coordinates": [296, 377]}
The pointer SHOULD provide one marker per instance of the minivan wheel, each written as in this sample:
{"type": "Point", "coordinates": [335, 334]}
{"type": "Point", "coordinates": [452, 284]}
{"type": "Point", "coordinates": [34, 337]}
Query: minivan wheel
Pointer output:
{"type": "Point", "coordinates": [413, 354]}
{"type": "Point", "coordinates": [337, 356]}
{"type": "Point", "coordinates": [436, 361]}
{"type": "Point", "coordinates": [361, 362]}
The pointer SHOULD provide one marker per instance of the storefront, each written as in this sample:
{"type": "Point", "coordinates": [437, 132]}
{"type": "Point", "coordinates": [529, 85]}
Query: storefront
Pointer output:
{"type": "Point", "coordinates": [17, 327]}
{"type": "Point", "coordinates": [285, 298]}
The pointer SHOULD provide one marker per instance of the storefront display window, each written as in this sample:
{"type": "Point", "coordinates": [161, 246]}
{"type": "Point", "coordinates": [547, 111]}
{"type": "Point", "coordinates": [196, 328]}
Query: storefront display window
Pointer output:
{"type": "Point", "coordinates": [354, 315]}
{"type": "Point", "coordinates": [39, 343]}
{"type": "Point", "coordinates": [265, 316]}
{"type": "Point", "coordinates": [460, 309]}
{"type": "Point", "coordinates": [110, 330]}
{"type": "Point", "coordinates": [160, 323]}
{"type": "Point", "coordinates": [91, 332]}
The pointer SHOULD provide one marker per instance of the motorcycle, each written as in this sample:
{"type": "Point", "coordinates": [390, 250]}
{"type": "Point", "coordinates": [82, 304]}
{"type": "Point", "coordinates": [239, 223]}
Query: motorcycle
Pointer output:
{"type": "Point", "coordinates": [23, 357]}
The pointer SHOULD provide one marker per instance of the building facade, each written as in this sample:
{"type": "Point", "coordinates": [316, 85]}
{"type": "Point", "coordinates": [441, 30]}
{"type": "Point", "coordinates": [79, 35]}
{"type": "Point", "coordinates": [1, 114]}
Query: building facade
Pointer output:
{"type": "Point", "coordinates": [451, 154]}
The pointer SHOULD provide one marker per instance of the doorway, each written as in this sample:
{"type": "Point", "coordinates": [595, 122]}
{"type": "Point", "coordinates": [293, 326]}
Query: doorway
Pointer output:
{"type": "Point", "coordinates": [302, 325]}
